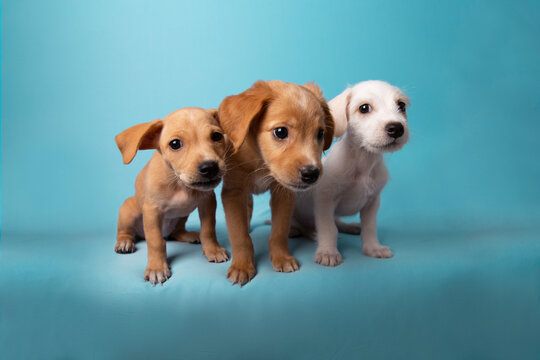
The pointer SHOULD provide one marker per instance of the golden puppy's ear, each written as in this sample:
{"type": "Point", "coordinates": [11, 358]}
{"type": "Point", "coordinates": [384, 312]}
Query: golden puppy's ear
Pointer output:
{"type": "Point", "coordinates": [339, 107]}
{"type": "Point", "coordinates": [328, 118]}
{"type": "Point", "coordinates": [329, 127]}
{"type": "Point", "coordinates": [236, 113]}
{"type": "Point", "coordinates": [315, 89]}
{"type": "Point", "coordinates": [139, 137]}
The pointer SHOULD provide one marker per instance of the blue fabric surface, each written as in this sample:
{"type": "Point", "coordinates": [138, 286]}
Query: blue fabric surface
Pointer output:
{"type": "Point", "coordinates": [461, 212]}
{"type": "Point", "coordinates": [468, 293]}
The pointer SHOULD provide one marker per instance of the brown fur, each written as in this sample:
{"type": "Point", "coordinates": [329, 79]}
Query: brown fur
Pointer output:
{"type": "Point", "coordinates": [261, 162]}
{"type": "Point", "coordinates": [169, 187]}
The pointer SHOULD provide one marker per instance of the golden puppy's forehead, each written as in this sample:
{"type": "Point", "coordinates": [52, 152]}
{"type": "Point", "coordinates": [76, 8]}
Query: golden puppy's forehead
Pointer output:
{"type": "Point", "coordinates": [188, 121]}
{"type": "Point", "coordinates": [297, 107]}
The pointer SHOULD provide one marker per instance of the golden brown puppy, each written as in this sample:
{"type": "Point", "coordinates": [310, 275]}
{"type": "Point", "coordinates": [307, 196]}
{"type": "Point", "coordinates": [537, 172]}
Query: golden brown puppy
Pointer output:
{"type": "Point", "coordinates": [279, 131]}
{"type": "Point", "coordinates": [180, 177]}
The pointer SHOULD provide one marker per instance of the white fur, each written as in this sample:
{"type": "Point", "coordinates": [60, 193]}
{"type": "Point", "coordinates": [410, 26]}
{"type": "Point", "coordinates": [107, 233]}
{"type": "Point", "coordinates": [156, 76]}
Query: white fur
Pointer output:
{"type": "Point", "coordinates": [354, 171]}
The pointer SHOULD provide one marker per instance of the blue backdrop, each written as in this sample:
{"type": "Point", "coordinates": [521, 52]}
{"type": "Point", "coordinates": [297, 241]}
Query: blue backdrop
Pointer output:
{"type": "Point", "coordinates": [461, 212]}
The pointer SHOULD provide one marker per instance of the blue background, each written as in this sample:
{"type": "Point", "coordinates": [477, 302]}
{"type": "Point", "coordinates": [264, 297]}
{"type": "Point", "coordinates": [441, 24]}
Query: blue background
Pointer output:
{"type": "Point", "coordinates": [461, 212]}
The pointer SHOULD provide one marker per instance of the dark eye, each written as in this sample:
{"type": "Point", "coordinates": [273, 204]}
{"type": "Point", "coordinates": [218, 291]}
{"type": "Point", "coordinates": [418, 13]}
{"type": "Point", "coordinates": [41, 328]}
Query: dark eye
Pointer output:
{"type": "Point", "coordinates": [216, 136]}
{"type": "Point", "coordinates": [401, 105]}
{"type": "Point", "coordinates": [175, 144]}
{"type": "Point", "coordinates": [320, 135]}
{"type": "Point", "coordinates": [281, 133]}
{"type": "Point", "coordinates": [365, 108]}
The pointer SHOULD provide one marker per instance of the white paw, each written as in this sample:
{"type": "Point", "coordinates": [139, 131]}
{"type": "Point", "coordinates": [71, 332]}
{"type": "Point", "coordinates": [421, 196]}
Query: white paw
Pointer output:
{"type": "Point", "coordinates": [328, 258]}
{"type": "Point", "coordinates": [377, 251]}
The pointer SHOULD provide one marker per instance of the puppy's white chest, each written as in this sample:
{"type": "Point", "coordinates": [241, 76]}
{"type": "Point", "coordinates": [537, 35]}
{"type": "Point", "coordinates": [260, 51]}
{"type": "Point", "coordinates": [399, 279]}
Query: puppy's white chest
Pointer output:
{"type": "Point", "coordinates": [353, 199]}
{"type": "Point", "coordinates": [179, 205]}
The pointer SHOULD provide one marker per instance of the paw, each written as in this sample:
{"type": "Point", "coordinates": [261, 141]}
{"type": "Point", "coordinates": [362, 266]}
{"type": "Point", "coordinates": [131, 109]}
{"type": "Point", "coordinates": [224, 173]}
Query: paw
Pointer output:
{"type": "Point", "coordinates": [241, 275]}
{"type": "Point", "coordinates": [216, 254]}
{"type": "Point", "coordinates": [285, 263]}
{"type": "Point", "coordinates": [377, 251]}
{"type": "Point", "coordinates": [124, 246]}
{"type": "Point", "coordinates": [328, 258]}
{"type": "Point", "coordinates": [192, 237]}
{"type": "Point", "coordinates": [158, 274]}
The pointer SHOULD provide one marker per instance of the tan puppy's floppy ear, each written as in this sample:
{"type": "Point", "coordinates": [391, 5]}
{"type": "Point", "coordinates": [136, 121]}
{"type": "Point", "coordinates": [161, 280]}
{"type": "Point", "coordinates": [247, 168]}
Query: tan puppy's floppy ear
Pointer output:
{"type": "Point", "coordinates": [139, 137]}
{"type": "Point", "coordinates": [339, 109]}
{"type": "Point", "coordinates": [237, 112]}
{"type": "Point", "coordinates": [328, 118]}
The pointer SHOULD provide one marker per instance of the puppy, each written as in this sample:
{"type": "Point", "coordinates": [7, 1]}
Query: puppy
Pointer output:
{"type": "Point", "coordinates": [372, 114]}
{"type": "Point", "coordinates": [187, 165]}
{"type": "Point", "coordinates": [278, 131]}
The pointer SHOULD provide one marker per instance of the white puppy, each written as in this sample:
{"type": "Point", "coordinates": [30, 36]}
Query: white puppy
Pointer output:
{"type": "Point", "coordinates": [372, 114]}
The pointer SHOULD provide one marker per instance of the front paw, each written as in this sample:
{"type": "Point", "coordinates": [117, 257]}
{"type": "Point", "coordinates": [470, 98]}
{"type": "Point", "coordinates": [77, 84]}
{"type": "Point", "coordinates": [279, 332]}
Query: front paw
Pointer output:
{"type": "Point", "coordinates": [328, 257]}
{"type": "Point", "coordinates": [157, 274]}
{"type": "Point", "coordinates": [285, 263]}
{"type": "Point", "coordinates": [124, 246]}
{"type": "Point", "coordinates": [241, 274]}
{"type": "Point", "coordinates": [192, 237]}
{"type": "Point", "coordinates": [216, 254]}
{"type": "Point", "coordinates": [377, 251]}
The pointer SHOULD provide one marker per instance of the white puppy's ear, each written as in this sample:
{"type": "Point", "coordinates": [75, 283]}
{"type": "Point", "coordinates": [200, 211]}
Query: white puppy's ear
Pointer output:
{"type": "Point", "coordinates": [339, 109]}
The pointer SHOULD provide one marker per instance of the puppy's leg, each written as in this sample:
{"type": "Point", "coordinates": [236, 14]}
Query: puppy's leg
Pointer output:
{"type": "Point", "coordinates": [242, 268]}
{"type": "Point", "coordinates": [327, 253]}
{"type": "Point", "coordinates": [210, 247]}
{"type": "Point", "coordinates": [282, 206]}
{"type": "Point", "coordinates": [371, 245]}
{"type": "Point", "coordinates": [180, 234]}
{"type": "Point", "coordinates": [353, 228]}
{"type": "Point", "coordinates": [157, 270]}
{"type": "Point", "coordinates": [128, 215]}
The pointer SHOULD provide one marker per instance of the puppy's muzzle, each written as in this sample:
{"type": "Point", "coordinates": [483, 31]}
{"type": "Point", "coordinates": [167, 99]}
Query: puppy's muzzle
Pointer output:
{"type": "Point", "coordinates": [394, 130]}
{"type": "Point", "coordinates": [309, 174]}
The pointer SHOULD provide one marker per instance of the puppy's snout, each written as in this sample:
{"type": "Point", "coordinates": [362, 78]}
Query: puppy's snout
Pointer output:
{"type": "Point", "coordinates": [309, 174]}
{"type": "Point", "coordinates": [208, 169]}
{"type": "Point", "coordinates": [394, 130]}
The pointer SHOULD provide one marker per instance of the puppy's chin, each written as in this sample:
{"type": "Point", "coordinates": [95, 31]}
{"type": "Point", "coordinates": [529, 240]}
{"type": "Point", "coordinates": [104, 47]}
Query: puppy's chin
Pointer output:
{"type": "Point", "coordinates": [389, 147]}
{"type": "Point", "coordinates": [293, 185]}
{"type": "Point", "coordinates": [299, 187]}
{"type": "Point", "coordinates": [201, 184]}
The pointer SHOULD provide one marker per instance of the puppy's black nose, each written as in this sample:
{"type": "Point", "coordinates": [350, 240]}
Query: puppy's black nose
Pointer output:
{"type": "Point", "coordinates": [394, 130]}
{"type": "Point", "coordinates": [309, 174]}
{"type": "Point", "coordinates": [208, 169]}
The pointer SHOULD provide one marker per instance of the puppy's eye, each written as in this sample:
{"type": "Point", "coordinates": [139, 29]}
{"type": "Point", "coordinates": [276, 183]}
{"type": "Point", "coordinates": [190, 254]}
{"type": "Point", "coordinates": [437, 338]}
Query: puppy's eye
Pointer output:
{"type": "Point", "coordinates": [216, 136]}
{"type": "Point", "coordinates": [365, 108]}
{"type": "Point", "coordinates": [281, 133]}
{"type": "Point", "coordinates": [401, 106]}
{"type": "Point", "coordinates": [320, 135]}
{"type": "Point", "coordinates": [175, 144]}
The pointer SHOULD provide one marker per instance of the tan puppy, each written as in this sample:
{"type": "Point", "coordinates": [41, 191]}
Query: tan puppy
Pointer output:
{"type": "Point", "coordinates": [279, 131]}
{"type": "Point", "coordinates": [180, 177]}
